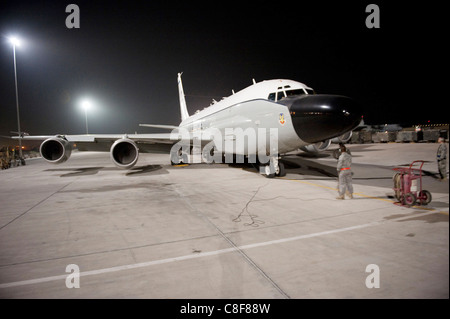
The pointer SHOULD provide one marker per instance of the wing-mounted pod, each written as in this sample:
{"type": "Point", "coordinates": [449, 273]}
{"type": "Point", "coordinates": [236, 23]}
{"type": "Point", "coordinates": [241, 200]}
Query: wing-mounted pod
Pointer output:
{"type": "Point", "coordinates": [124, 153]}
{"type": "Point", "coordinates": [316, 147]}
{"type": "Point", "coordinates": [56, 149]}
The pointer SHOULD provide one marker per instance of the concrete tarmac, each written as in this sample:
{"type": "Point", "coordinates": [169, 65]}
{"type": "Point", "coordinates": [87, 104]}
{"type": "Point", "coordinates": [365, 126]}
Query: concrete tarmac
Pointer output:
{"type": "Point", "coordinates": [222, 231]}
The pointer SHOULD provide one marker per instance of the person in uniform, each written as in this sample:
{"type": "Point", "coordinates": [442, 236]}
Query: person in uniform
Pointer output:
{"type": "Point", "coordinates": [345, 174]}
{"type": "Point", "coordinates": [441, 157]}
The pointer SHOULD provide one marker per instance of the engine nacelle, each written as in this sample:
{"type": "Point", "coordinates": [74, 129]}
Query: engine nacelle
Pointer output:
{"type": "Point", "coordinates": [124, 153]}
{"type": "Point", "coordinates": [317, 147]}
{"type": "Point", "coordinates": [56, 149]}
{"type": "Point", "coordinates": [344, 138]}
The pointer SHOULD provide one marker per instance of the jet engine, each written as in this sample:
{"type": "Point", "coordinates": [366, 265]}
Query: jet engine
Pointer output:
{"type": "Point", "coordinates": [56, 149]}
{"type": "Point", "coordinates": [316, 147]}
{"type": "Point", "coordinates": [124, 153]}
{"type": "Point", "coordinates": [344, 138]}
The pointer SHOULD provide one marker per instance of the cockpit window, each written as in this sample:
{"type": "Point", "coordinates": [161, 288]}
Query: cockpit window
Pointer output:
{"type": "Point", "coordinates": [280, 95]}
{"type": "Point", "coordinates": [276, 96]}
{"type": "Point", "coordinates": [299, 92]}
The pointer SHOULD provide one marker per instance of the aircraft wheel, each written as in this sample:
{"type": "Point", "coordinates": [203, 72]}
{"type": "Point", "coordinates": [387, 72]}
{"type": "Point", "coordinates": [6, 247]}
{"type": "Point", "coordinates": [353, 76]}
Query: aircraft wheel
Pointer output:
{"type": "Point", "coordinates": [281, 172]}
{"type": "Point", "coordinates": [208, 155]}
{"type": "Point", "coordinates": [174, 160]}
{"type": "Point", "coordinates": [268, 170]}
{"type": "Point", "coordinates": [184, 159]}
{"type": "Point", "coordinates": [178, 158]}
{"type": "Point", "coordinates": [271, 172]}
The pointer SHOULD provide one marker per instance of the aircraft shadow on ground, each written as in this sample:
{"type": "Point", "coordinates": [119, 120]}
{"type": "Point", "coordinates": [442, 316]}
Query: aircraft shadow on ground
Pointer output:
{"type": "Point", "coordinates": [147, 170]}
{"type": "Point", "coordinates": [79, 171]}
{"type": "Point", "coordinates": [86, 171]}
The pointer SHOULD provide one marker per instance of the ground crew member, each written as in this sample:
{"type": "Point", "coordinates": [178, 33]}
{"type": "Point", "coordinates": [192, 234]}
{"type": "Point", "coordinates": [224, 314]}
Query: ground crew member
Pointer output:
{"type": "Point", "coordinates": [345, 174]}
{"type": "Point", "coordinates": [441, 157]}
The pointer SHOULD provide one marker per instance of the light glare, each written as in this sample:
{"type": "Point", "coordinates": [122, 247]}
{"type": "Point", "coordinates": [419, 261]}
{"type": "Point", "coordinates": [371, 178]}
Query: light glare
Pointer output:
{"type": "Point", "coordinates": [86, 104]}
{"type": "Point", "coordinates": [15, 41]}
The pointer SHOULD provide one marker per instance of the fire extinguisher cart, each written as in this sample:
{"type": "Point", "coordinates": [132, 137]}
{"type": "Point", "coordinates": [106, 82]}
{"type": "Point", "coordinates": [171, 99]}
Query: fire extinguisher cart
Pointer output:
{"type": "Point", "coordinates": [408, 185]}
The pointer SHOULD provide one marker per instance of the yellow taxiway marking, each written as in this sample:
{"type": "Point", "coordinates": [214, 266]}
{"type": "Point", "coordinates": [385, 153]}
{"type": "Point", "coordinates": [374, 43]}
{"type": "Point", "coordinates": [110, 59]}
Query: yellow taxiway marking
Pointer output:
{"type": "Point", "coordinates": [361, 194]}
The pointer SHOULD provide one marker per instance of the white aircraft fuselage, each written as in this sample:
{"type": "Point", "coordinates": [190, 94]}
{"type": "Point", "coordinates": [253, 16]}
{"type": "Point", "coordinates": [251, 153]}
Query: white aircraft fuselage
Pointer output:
{"type": "Point", "coordinates": [290, 107]}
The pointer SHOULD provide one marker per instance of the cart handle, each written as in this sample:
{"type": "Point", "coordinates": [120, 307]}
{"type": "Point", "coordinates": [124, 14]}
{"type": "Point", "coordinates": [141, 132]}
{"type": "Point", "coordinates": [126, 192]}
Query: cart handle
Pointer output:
{"type": "Point", "coordinates": [410, 166]}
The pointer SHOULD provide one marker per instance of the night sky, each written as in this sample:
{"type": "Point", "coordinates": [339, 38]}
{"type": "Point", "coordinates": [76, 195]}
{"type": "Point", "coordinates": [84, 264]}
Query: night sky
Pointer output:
{"type": "Point", "coordinates": [126, 55]}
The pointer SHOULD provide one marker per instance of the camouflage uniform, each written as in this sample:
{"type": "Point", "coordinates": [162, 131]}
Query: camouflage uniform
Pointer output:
{"type": "Point", "coordinates": [345, 175]}
{"type": "Point", "coordinates": [442, 160]}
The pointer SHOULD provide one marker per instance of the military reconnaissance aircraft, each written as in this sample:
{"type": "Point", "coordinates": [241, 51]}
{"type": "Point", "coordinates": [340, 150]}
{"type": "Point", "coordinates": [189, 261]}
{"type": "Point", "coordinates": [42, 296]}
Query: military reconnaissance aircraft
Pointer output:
{"type": "Point", "coordinates": [259, 123]}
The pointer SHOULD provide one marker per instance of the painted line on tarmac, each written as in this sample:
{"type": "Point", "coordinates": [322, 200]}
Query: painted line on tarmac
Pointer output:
{"type": "Point", "coordinates": [362, 195]}
{"type": "Point", "coordinates": [200, 255]}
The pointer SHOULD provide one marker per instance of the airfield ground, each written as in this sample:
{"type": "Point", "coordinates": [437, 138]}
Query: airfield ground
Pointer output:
{"type": "Point", "coordinates": [222, 231]}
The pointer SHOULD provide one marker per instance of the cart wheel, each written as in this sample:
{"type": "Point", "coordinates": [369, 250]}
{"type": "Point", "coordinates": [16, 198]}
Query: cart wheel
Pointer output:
{"type": "Point", "coordinates": [409, 199]}
{"type": "Point", "coordinates": [425, 197]}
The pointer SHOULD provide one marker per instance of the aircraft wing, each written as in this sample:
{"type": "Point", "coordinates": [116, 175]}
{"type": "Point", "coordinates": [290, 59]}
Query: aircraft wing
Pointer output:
{"type": "Point", "coordinates": [100, 137]}
{"type": "Point", "coordinates": [146, 143]}
{"type": "Point", "coordinates": [124, 148]}
{"type": "Point", "coordinates": [157, 138]}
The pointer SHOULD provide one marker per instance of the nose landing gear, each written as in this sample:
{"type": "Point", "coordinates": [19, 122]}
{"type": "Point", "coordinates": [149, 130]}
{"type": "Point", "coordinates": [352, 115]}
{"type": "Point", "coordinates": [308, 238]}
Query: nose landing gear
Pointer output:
{"type": "Point", "coordinates": [273, 168]}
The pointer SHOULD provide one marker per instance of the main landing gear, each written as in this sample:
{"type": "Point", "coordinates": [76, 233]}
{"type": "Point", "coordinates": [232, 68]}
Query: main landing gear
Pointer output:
{"type": "Point", "coordinates": [270, 169]}
{"type": "Point", "coordinates": [179, 157]}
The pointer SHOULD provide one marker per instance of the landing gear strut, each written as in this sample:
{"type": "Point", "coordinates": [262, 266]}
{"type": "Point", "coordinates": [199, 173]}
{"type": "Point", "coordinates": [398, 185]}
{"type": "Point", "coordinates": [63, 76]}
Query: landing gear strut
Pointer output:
{"type": "Point", "coordinates": [179, 157]}
{"type": "Point", "coordinates": [273, 168]}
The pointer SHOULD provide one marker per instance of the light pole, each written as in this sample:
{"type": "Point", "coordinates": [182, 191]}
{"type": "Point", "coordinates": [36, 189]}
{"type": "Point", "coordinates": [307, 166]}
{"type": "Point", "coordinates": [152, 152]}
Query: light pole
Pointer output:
{"type": "Point", "coordinates": [16, 42]}
{"type": "Point", "coordinates": [86, 104]}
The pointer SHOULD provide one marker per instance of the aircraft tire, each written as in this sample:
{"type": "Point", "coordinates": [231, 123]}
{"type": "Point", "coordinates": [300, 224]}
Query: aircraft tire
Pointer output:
{"type": "Point", "coordinates": [281, 170]}
{"type": "Point", "coordinates": [178, 159]}
{"type": "Point", "coordinates": [268, 173]}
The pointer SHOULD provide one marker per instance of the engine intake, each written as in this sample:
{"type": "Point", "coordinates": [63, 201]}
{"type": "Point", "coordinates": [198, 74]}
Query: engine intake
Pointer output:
{"type": "Point", "coordinates": [56, 149]}
{"type": "Point", "coordinates": [124, 153]}
{"type": "Point", "coordinates": [316, 147]}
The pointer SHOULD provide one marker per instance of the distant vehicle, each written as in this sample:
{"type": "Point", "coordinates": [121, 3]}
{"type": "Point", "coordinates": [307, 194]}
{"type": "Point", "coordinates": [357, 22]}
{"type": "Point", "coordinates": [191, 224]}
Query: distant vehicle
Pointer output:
{"type": "Point", "coordinates": [259, 123]}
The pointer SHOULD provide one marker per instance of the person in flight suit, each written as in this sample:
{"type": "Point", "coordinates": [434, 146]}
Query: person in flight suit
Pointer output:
{"type": "Point", "coordinates": [345, 174]}
{"type": "Point", "coordinates": [441, 157]}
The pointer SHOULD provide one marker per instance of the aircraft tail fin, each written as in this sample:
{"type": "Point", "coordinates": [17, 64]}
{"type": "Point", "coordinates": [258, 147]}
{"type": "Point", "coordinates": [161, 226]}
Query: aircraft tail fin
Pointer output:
{"type": "Point", "coordinates": [183, 107]}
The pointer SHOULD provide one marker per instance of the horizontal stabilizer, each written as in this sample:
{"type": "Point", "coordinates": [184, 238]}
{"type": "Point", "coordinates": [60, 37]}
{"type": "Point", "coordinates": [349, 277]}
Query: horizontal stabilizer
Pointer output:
{"type": "Point", "coordinates": [167, 127]}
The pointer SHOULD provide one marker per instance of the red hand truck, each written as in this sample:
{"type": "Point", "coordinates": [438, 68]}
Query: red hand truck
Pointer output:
{"type": "Point", "coordinates": [408, 186]}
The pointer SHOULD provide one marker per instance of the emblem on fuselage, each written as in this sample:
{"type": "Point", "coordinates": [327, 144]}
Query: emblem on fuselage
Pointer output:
{"type": "Point", "coordinates": [281, 119]}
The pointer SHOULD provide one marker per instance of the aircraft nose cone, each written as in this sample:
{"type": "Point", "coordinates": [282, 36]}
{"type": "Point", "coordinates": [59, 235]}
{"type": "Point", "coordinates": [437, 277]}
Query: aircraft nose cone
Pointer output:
{"type": "Point", "coordinates": [320, 117]}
